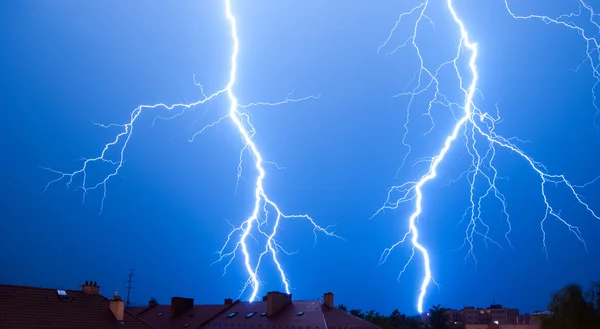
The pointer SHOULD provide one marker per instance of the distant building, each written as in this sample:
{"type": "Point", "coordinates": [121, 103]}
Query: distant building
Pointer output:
{"type": "Point", "coordinates": [493, 314]}
{"type": "Point", "coordinates": [493, 317]}
{"type": "Point", "coordinates": [29, 307]}
{"type": "Point", "coordinates": [524, 319]}
{"type": "Point", "coordinates": [537, 317]}
{"type": "Point", "coordinates": [471, 315]}
{"type": "Point", "coordinates": [502, 326]}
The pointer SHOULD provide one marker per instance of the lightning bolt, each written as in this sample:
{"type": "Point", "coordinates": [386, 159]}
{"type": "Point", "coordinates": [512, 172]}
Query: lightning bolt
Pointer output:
{"type": "Point", "coordinates": [237, 239]}
{"type": "Point", "coordinates": [477, 129]}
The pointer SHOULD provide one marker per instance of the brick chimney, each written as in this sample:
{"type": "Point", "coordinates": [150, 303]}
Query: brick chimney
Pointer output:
{"type": "Point", "coordinates": [228, 301]}
{"type": "Point", "coordinates": [328, 299]}
{"type": "Point", "coordinates": [90, 288]}
{"type": "Point", "coordinates": [276, 301]}
{"type": "Point", "coordinates": [180, 305]}
{"type": "Point", "coordinates": [117, 307]}
{"type": "Point", "coordinates": [152, 302]}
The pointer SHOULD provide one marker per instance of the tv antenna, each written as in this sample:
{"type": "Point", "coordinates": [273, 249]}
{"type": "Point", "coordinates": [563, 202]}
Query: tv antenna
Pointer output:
{"type": "Point", "coordinates": [129, 287]}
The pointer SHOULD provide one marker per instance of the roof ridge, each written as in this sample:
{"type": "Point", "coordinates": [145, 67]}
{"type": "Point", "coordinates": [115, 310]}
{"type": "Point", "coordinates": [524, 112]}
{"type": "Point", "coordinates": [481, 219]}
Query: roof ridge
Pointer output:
{"type": "Point", "coordinates": [148, 308]}
{"type": "Point", "coordinates": [218, 313]}
{"type": "Point", "coordinates": [306, 300]}
{"type": "Point", "coordinates": [35, 287]}
{"type": "Point", "coordinates": [349, 314]}
{"type": "Point", "coordinates": [140, 319]}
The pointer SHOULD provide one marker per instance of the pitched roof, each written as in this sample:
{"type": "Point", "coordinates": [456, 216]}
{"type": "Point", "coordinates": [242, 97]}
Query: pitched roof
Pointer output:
{"type": "Point", "coordinates": [254, 315]}
{"type": "Point", "coordinates": [29, 307]}
{"type": "Point", "coordinates": [135, 310]}
{"type": "Point", "coordinates": [300, 314]}
{"type": "Point", "coordinates": [159, 316]}
{"type": "Point", "coordinates": [337, 319]}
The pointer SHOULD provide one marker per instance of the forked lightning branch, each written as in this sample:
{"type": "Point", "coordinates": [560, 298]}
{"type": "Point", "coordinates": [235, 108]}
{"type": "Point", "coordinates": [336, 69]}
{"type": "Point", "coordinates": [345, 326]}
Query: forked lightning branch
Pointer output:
{"type": "Point", "coordinates": [473, 126]}
{"type": "Point", "coordinates": [264, 209]}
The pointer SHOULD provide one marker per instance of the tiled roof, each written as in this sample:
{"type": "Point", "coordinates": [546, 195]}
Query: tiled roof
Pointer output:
{"type": "Point", "coordinates": [338, 319]}
{"type": "Point", "coordinates": [311, 318]}
{"type": "Point", "coordinates": [135, 310]}
{"type": "Point", "coordinates": [159, 316]}
{"type": "Point", "coordinates": [29, 307]}
{"type": "Point", "coordinates": [296, 315]}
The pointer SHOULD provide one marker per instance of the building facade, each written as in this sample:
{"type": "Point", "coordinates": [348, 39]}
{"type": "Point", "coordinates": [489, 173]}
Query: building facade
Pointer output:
{"type": "Point", "coordinates": [493, 314]}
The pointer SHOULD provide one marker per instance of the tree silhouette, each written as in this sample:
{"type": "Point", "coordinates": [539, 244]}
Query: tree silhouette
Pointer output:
{"type": "Point", "coordinates": [438, 317]}
{"type": "Point", "coordinates": [357, 312]}
{"type": "Point", "coordinates": [594, 298]}
{"type": "Point", "coordinates": [376, 318]}
{"type": "Point", "coordinates": [573, 308]}
{"type": "Point", "coordinates": [395, 320]}
{"type": "Point", "coordinates": [343, 307]}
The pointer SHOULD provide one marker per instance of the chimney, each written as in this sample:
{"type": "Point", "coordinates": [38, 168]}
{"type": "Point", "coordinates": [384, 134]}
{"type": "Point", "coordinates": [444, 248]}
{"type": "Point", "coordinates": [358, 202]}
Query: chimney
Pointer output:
{"type": "Point", "coordinates": [228, 301]}
{"type": "Point", "coordinates": [152, 302]}
{"type": "Point", "coordinates": [328, 299]}
{"type": "Point", "coordinates": [180, 305]}
{"type": "Point", "coordinates": [117, 307]}
{"type": "Point", "coordinates": [276, 301]}
{"type": "Point", "coordinates": [90, 288]}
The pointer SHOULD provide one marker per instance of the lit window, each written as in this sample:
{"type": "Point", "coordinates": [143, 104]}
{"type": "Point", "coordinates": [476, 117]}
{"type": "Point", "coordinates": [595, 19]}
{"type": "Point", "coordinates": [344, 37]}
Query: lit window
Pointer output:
{"type": "Point", "coordinates": [232, 314]}
{"type": "Point", "coordinates": [249, 315]}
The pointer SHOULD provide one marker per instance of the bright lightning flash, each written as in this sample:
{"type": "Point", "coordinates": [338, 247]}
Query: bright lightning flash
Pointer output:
{"type": "Point", "coordinates": [263, 205]}
{"type": "Point", "coordinates": [477, 128]}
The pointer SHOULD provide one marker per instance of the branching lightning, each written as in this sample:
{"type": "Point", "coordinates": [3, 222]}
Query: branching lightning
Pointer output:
{"type": "Point", "coordinates": [237, 239]}
{"type": "Point", "coordinates": [477, 129]}
{"type": "Point", "coordinates": [592, 44]}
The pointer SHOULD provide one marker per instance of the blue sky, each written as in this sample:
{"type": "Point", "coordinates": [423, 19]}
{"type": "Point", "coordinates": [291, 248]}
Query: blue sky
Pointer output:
{"type": "Point", "coordinates": [69, 63]}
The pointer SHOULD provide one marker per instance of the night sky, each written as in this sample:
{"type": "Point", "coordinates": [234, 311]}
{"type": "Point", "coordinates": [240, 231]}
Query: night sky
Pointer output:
{"type": "Point", "coordinates": [70, 63]}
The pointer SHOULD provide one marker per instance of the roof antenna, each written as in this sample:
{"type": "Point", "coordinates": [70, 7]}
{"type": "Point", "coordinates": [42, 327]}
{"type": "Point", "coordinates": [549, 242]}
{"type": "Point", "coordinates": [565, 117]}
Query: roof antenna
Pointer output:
{"type": "Point", "coordinates": [129, 287]}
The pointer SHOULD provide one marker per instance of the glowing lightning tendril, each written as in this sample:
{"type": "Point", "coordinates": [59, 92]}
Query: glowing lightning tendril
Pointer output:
{"type": "Point", "coordinates": [262, 204]}
{"type": "Point", "coordinates": [475, 126]}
